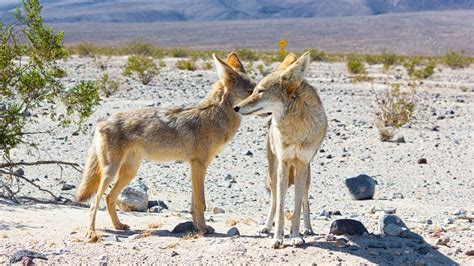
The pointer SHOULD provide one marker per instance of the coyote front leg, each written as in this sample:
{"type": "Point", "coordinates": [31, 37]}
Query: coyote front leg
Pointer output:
{"type": "Point", "coordinates": [282, 186]}
{"type": "Point", "coordinates": [300, 182]}
{"type": "Point", "coordinates": [198, 201]}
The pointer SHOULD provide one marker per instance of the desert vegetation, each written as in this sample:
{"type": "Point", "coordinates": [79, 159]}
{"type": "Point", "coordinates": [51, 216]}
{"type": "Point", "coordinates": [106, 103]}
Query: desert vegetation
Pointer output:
{"type": "Point", "coordinates": [142, 66]}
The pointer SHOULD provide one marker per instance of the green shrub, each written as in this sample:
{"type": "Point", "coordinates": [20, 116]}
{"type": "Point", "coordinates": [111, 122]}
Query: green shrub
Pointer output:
{"type": "Point", "coordinates": [247, 54]}
{"type": "Point", "coordinates": [417, 70]}
{"type": "Point", "coordinates": [262, 70]}
{"type": "Point", "coordinates": [389, 59]}
{"type": "Point", "coordinates": [355, 65]}
{"type": "Point", "coordinates": [34, 83]}
{"type": "Point", "coordinates": [144, 67]}
{"type": "Point", "coordinates": [455, 60]}
{"type": "Point", "coordinates": [85, 49]}
{"type": "Point", "coordinates": [189, 65]}
{"type": "Point", "coordinates": [178, 52]}
{"type": "Point", "coordinates": [317, 55]}
{"type": "Point", "coordinates": [139, 47]}
{"type": "Point", "coordinates": [207, 65]}
{"type": "Point", "coordinates": [395, 108]}
{"type": "Point", "coordinates": [107, 85]}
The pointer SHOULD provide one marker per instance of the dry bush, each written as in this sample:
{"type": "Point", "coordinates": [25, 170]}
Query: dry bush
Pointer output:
{"type": "Point", "coordinates": [355, 65]}
{"type": "Point", "coordinates": [395, 108]}
{"type": "Point", "coordinates": [100, 64]}
{"type": "Point", "coordinates": [455, 60]}
{"type": "Point", "coordinates": [155, 225]}
{"type": "Point", "coordinates": [108, 86]}
{"type": "Point", "coordinates": [206, 66]}
{"type": "Point", "coordinates": [191, 236]}
{"type": "Point", "coordinates": [417, 70]}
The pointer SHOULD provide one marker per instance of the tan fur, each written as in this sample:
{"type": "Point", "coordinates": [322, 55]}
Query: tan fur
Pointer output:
{"type": "Point", "coordinates": [296, 131]}
{"type": "Point", "coordinates": [194, 134]}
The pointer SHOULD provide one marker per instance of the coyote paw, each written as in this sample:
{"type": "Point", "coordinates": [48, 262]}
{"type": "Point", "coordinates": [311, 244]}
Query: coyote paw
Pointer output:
{"type": "Point", "coordinates": [91, 236]}
{"type": "Point", "coordinates": [277, 243]}
{"type": "Point", "coordinates": [308, 232]}
{"type": "Point", "coordinates": [297, 241]}
{"type": "Point", "coordinates": [264, 230]}
{"type": "Point", "coordinates": [122, 226]}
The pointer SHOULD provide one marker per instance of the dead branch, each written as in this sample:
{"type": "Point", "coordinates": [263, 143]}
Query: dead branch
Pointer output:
{"type": "Point", "coordinates": [76, 166]}
{"type": "Point", "coordinates": [30, 182]}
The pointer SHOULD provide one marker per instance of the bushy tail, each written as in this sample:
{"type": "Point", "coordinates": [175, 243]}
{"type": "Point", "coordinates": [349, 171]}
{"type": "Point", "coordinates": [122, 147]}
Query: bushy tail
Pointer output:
{"type": "Point", "coordinates": [90, 177]}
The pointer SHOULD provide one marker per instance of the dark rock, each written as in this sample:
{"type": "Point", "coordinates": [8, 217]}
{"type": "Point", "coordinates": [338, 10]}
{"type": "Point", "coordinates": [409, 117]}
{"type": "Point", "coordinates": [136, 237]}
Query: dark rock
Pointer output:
{"type": "Point", "coordinates": [233, 232]}
{"type": "Point", "coordinates": [156, 205]}
{"type": "Point", "coordinates": [347, 227]}
{"type": "Point", "coordinates": [183, 228]}
{"type": "Point", "coordinates": [174, 253]}
{"type": "Point", "coordinates": [422, 161]}
{"type": "Point", "coordinates": [248, 153]}
{"type": "Point", "coordinates": [67, 186]}
{"type": "Point", "coordinates": [361, 187]}
{"type": "Point", "coordinates": [20, 172]}
{"type": "Point", "coordinates": [19, 255]}
{"type": "Point", "coordinates": [400, 139]}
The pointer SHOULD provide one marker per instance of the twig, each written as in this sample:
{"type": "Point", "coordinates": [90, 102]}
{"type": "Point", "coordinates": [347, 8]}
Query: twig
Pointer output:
{"type": "Point", "coordinates": [76, 166]}
{"type": "Point", "coordinates": [31, 182]}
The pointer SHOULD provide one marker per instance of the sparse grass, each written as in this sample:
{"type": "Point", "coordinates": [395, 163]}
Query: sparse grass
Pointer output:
{"type": "Point", "coordinates": [355, 65]}
{"type": "Point", "coordinates": [318, 55]}
{"type": "Point", "coordinates": [108, 86]}
{"type": "Point", "coordinates": [191, 236]}
{"type": "Point", "coordinates": [188, 64]}
{"type": "Point", "coordinates": [85, 49]}
{"type": "Point", "coordinates": [178, 52]}
{"type": "Point", "coordinates": [247, 54]}
{"type": "Point", "coordinates": [144, 67]}
{"type": "Point", "coordinates": [249, 68]}
{"type": "Point", "coordinates": [100, 64]}
{"type": "Point", "coordinates": [455, 60]}
{"type": "Point", "coordinates": [361, 78]}
{"type": "Point", "coordinates": [463, 88]}
{"type": "Point", "coordinates": [140, 47]}
{"type": "Point", "coordinates": [395, 108]}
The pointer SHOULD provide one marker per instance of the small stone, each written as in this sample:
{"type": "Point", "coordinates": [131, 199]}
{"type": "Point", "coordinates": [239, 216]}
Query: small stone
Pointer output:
{"type": "Point", "coordinates": [429, 221]}
{"type": "Point", "coordinates": [400, 139]}
{"type": "Point", "coordinates": [422, 161]}
{"type": "Point", "coordinates": [470, 252]}
{"type": "Point", "coordinates": [135, 236]}
{"type": "Point", "coordinates": [361, 187]}
{"type": "Point", "coordinates": [337, 213]}
{"type": "Point", "coordinates": [233, 231]}
{"type": "Point", "coordinates": [341, 242]}
{"type": "Point", "coordinates": [449, 220]}
{"type": "Point", "coordinates": [397, 195]}
{"type": "Point", "coordinates": [157, 206]}
{"type": "Point", "coordinates": [183, 228]}
{"type": "Point", "coordinates": [443, 241]}
{"type": "Point", "coordinates": [393, 230]}
{"type": "Point", "coordinates": [67, 186]}
{"type": "Point", "coordinates": [347, 227]}
{"type": "Point", "coordinates": [460, 212]}
{"type": "Point", "coordinates": [248, 153]}
{"type": "Point", "coordinates": [228, 177]}
{"type": "Point", "coordinates": [111, 239]}
{"type": "Point", "coordinates": [217, 210]}
{"type": "Point", "coordinates": [174, 253]}
{"type": "Point", "coordinates": [392, 225]}
{"type": "Point", "coordinates": [390, 210]}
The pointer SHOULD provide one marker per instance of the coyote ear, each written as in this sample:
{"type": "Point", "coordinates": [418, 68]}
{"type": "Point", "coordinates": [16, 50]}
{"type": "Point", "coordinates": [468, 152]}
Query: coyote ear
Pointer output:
{"type": "Point", "coordinates": [234, 62]}
{"type": "Point", "coordinates": [293, 75]}
{"type": "Point", "coordinates": [289, 59]}
{"type": "Point", "coordinates": [225, 72]}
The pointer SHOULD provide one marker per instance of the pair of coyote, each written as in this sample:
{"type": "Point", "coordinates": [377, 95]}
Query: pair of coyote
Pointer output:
{"type": "Point", "coordinates": [196, 134]}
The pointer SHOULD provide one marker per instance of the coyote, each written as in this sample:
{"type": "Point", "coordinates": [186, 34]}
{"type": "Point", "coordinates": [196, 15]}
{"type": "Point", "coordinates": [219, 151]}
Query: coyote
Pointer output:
{"type": "Point", "coordinates": [194, 134]}
{"type": "Point", "coordinates": [297, 128]}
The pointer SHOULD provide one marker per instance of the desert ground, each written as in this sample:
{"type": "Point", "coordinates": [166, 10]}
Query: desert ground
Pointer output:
{"type": "Point", "coordinates": [428, 197]}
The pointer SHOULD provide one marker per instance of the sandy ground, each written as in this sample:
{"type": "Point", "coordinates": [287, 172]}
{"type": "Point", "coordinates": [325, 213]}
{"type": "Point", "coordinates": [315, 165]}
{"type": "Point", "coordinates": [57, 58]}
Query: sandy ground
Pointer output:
{"type": "Point", "coordinates": [432, 191]}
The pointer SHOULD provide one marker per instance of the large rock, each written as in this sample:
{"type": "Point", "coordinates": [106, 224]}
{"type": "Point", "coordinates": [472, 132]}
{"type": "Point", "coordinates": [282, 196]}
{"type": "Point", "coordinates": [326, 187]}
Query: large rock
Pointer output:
{"type": "Point", "coordinates": [392, 225]}
{"type": "Point", "coordinates": [184, 228]}
{"type": "Point", "coordinates": [361, 187]}
{"type": "Point", "coordinates": [347, 227]}
{"type": "Point", "coordinates": [134, 197]}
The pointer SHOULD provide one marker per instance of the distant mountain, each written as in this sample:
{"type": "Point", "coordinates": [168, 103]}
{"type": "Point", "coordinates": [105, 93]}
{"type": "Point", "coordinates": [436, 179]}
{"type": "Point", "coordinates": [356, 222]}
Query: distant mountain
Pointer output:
{"type": "Point", "coordinates": [121, 11]}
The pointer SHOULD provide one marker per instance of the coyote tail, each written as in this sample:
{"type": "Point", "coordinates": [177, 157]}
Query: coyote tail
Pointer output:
{"type": "Point", "coordinates": [90, 177]}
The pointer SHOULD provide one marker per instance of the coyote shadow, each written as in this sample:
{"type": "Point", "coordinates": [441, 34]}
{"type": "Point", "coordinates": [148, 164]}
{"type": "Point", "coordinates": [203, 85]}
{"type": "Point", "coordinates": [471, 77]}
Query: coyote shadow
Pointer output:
{"type": "Point", "coordinates": [391, 250]}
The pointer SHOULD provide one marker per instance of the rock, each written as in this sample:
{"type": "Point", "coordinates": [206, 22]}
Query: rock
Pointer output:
{"type": "Point", "coordinates": [134, 197]}
{"type": "Point", "coordinates": [411, 235]}
{"type": "Point", "coordinates": [67, 186]}
{"type": "Point", "coordinates": [449, 220]}
{"type": "Point", "coordinates": [217, 210]}
{"type": "Point", "coordinates": [460, 212]}
{"type": "Point", "coordinates": [391, 225]}
{"type": "Point", "coordinates": [27, 256]}
{"type": "Point", "coordinates": [156, 206]}
{"type": "Point", "coordinates": [444, 241]}
{"type": "Point", "coordinates": [390, 210]}
{"type": "Point", "coordinates": [183, 228]}
{"type": "Point", "coordinates": [341, 242]}
{"type": "Point", "coordinates": [400, 139]}
{"type": "Point", "coordinates": [174, 253]}
{"type": "Point", "coordinates": [429, 221]}
{"type": "Point", "coordinates": [361, 187]}
{"type": "Point", "coordinates": [233, 232]}
{"type": "Point", "coordinates": [470, 252]}
{"type": "Point", "coordinates": [422, 161]}
{"type": "Point", "coordinates": [111, 239]}
{"type": "Point", "coordinates": [248, 153]}
{"type": "Point", "coordinates": [228, 177]}
{"type": "Point", "coordinates": [135, 236]}
{"type": "Point", "coordinates": [347, 227]}
{"type": "Point", "coordinates": [397, 195]}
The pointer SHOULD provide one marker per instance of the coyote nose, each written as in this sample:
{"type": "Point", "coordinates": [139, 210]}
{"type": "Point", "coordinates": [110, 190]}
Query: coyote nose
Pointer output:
{"type": "Point", "coordinates": [236, 108]}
